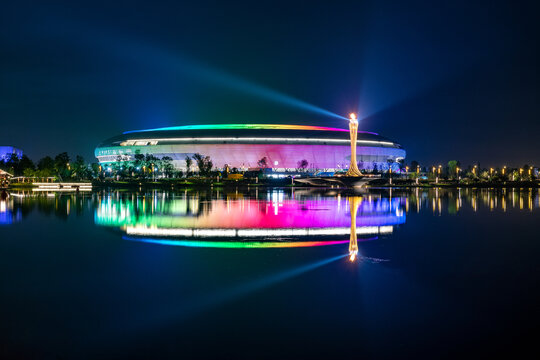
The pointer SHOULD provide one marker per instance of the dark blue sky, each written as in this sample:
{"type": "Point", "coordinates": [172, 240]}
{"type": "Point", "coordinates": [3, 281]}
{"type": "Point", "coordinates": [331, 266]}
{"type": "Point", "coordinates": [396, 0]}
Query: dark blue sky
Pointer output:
{"type": "Point", "coordinates": [449, 80]}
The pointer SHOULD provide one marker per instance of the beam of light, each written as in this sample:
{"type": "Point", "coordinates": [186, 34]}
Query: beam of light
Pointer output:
{"type": "Point", "coordinates": [159, 59]}
{"type": "Point", "coordinates": [237, 244]}
{"type": "Point", "coordinates": [249, 88]}
{"type": "Point", "coordinates": [240, 126]}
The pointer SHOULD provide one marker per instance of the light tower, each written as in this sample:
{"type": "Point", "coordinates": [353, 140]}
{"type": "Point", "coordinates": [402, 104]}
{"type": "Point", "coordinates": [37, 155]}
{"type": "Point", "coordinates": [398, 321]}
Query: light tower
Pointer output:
{"type": "Point", "coordinates": [353, 131]}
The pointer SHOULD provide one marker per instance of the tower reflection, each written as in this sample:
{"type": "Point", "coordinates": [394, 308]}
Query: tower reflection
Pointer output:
{"type": "Point", "coordinates": [354, 202]}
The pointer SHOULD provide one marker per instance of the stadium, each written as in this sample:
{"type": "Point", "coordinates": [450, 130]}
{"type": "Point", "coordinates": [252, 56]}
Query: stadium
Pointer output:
{"type": "Point", "coordinates": [243, 145]}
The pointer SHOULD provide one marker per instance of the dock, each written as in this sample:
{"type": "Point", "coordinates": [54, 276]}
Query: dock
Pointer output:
{"type": "Point", "coordinates": [62, 187]}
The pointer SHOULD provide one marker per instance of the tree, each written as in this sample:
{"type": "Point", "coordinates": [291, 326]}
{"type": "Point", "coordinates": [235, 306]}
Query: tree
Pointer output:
{"type": "Point", "coordinates": [11, 163]}
{"type": "Point", "coordinates": [189, 162]}
{"type": "Point", "coordinates": [62, 166]}
{"type": "Point", "coordinates": [139, 159]}
{"type": "Point", "coordinates": [167, 166]}
{"type": "Point", "coordinates": [96, 170]}
{"type": "Point", "coordinates": [29, 172]}
{"type": "Point", "coordinates": [204, 163]}
{"type": "Point", "coordinates": [80, 169]}
{"type": "Point", "coordinates": [485, 175]}
{"type": "Point", "coordinates": [414, 165]}
{"type": "Point", "coordinates": [45, 167]}
{"type": "Point", "coordinates": [46, 164]}
{"type": "Point", "coordinates": [452, 167]}
{"type": "Point", "coordinates": [302, 164]}
{"type": "Point", "coordinates": [26, 164]}
{"type": "Point", "coordinates": [263, 163]}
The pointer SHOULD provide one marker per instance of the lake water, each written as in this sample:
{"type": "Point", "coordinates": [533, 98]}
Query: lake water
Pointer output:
{"type": "Point", "coordinates": [274, 273]}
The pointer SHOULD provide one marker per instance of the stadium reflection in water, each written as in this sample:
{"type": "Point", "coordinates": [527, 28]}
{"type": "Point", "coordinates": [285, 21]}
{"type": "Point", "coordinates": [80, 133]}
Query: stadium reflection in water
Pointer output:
{"type": "Point", "coordinates": [276, 219]}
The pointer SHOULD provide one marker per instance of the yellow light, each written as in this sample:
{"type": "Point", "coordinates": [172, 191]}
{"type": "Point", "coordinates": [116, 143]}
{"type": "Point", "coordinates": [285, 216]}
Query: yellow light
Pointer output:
{"type": "Point", "coordinates": [352, 116]}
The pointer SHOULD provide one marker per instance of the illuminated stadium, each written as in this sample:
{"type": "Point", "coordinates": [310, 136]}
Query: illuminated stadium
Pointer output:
{"type": "Point", "coordinates": [243, 145]}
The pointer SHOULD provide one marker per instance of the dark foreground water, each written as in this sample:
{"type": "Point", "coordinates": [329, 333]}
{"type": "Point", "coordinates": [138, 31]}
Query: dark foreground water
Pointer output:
{"type": "Point", "coordinates": [270, 274]}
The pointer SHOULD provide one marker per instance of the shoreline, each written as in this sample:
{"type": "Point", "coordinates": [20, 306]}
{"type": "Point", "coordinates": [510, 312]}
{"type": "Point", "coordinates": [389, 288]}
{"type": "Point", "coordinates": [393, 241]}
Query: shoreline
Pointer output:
{"type": "Point", "coordinates": [284, 183]}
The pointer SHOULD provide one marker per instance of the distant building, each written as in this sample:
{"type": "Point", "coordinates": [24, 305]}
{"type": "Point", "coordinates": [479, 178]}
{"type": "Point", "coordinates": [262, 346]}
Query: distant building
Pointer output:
{"type": "Point", "coordinates": [6, 151]}
{"type": "Point", "coordinates": [243, 145]}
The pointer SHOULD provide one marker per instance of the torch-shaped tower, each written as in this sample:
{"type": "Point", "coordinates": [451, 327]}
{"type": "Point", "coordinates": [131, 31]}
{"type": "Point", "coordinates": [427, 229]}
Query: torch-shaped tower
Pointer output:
{"type": "Point", "coordinates": [353, 130]}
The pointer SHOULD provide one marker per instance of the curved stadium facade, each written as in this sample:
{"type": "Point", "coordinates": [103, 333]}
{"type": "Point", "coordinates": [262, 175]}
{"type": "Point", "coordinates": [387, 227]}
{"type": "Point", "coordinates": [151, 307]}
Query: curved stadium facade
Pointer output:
{"type": "Point", "coordinates": [243, 145]}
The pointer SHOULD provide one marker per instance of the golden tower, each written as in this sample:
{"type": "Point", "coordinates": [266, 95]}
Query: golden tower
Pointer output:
{"type": "Point", "coordinates": [353, 131]}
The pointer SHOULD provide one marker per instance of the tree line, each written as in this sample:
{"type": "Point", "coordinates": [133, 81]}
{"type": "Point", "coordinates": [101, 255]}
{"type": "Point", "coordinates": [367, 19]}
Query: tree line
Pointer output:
{"type": "Point", "coordinates": [61, 166]}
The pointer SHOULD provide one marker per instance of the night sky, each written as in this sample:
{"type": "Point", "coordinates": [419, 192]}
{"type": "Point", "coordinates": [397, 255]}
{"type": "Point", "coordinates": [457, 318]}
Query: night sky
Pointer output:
{"type": "Point", "coordinates": [449, 80]}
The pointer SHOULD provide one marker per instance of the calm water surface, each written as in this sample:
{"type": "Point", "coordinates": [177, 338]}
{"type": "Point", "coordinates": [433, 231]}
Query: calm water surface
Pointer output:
{"type": "Point", "coordinates": [269, 274]}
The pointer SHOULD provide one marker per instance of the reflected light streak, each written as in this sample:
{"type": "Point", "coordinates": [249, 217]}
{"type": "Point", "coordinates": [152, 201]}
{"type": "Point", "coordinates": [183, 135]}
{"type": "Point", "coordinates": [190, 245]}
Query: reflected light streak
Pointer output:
{"type": "Point", "coordinates": [255, 285]}
{"type": "Point", "coordinates": [195, 306]}
{"type": "Point", "coordinates": [238, 244]}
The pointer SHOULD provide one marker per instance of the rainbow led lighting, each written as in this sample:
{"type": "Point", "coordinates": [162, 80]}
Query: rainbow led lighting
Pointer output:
{"type": "Point", "coordinates": [243, 126]}
{"type": "Point", "coordinates": [155, 231]}
{"type": "Point", "coordinates": [237, 244]}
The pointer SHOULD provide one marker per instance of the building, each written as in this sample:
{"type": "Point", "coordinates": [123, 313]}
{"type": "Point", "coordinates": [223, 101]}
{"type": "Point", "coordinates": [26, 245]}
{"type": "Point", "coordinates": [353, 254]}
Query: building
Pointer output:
{"type": "Point", "coordinates": [5, 178]}
{"type": "Point", "coordinates": [243, 145]}
{"type": "Point", "coordinates": [6, 151]}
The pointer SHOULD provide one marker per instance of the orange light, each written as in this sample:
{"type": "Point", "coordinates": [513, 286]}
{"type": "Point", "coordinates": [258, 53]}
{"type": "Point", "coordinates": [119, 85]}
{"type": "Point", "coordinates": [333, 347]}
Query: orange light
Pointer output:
{"type": "Point", "coordinates": [352, 116]}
